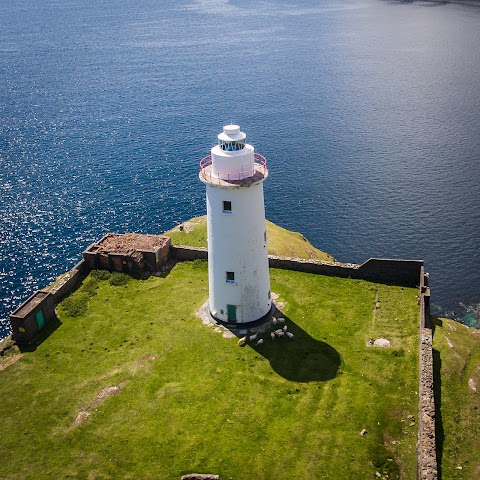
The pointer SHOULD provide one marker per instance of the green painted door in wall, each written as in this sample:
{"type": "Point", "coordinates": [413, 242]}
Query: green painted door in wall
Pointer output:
{"type": "Point", "coordinates": [40, 319]}
{"type": "Point", "coordinates": [232, 313]}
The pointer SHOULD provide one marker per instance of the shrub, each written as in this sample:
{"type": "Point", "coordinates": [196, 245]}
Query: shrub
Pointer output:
{"type": "Point", "coordinates": [76, 304]}
{"type": "Point", "coordinates": [90, 287]}
{"type": "Point", "coordinates": [117, 279]}
{"type": "Point", "coordinates": [100, 275]}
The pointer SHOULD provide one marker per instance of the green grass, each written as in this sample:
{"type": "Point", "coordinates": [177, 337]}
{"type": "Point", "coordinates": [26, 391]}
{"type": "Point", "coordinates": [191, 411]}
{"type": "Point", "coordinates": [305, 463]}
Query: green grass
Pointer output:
{"type": "Point", "coordinates": [191, 400]}
{"type": "Point", "coordinates": [457, 361]}
{"type": "Point", "coordinates": [281, 242]}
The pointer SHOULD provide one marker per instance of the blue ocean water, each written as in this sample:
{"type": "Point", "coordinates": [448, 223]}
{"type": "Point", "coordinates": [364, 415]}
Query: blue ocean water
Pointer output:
{"type": "Point", "coordinates": [367, 111]}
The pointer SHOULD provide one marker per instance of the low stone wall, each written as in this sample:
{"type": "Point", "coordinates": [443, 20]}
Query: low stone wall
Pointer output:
{"type": "Point", "coordinates": [183, 253]}
{"type": "Point", "coordinates": [401, 272]}
{"type": "Point", "coordinates": [68, 282]}
{"type": "Point", "coordinates": [426, 448]}
{"type": "Point", "coordinates": [426, 452]}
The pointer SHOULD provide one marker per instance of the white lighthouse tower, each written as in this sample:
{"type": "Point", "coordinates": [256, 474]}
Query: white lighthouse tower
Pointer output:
{"type": "Point", "coordinates": [238, 276]}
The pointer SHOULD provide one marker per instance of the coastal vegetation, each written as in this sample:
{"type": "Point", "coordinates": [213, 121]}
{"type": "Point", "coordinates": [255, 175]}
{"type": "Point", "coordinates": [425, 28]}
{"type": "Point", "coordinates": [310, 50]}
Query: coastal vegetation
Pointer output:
{"type": "Point", "coordinates": [456, 350]}
{"type": "Point", "coordinates": [281, 242]}
{"type": "Point", "coordinates": [138, 387]}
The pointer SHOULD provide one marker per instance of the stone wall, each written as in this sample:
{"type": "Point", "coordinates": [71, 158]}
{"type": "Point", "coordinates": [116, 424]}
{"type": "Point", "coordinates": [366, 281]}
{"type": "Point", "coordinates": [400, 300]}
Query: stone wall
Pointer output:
{"type": "Point", "coordinates": [182, 253]}
{"type": "Point", "coordinates": [426, 452]}
{"type": "Point", "coordinates": [68, 282]}
{"type": "Point", "coordinates": [401, 272]}
{"type": "Point", "coordinates": [426, 448]}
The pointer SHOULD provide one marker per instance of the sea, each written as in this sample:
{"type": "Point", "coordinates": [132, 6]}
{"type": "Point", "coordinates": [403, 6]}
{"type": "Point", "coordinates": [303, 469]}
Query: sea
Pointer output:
{"type": "Point", "coordinates": [368, 112]}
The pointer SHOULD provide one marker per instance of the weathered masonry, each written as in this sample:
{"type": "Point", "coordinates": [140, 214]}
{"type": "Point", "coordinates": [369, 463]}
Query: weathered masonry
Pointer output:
{"type": "Point", "coordinates": [131, 253]}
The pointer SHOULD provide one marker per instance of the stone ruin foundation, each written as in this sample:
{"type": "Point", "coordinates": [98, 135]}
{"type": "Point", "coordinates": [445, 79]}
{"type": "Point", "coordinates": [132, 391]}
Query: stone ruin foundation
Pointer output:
{"type": "Point", "coordinates": [131, 253]}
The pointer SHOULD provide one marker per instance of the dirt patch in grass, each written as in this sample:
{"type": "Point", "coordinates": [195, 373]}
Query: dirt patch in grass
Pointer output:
{"type": "Point", "coordinates": [85, 413]}
{"type": "Point", "coordinates": [81, 417]}
{"type": "Point", "coordinates": [471, 384]}
{"type": "Point", "coordinates": [9, 360]}
{"type": "Point", "coordinates": [104, 393]}
{"type": "Point", "coordinates": [146, 358]}
{"type": "Point", "coordinates": [9, 353]}
{"type": "Point", "coordinates": [172, 388]}
{"type": "Point", "coordinates": [145, 362]}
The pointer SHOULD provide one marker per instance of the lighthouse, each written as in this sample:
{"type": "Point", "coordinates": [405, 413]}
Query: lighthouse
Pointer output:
{"type": "Point", "coordinates": [238, 275]}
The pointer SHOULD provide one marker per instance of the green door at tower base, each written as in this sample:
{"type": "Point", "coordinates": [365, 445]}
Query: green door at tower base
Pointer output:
{"type": "Point", "coordinates": [40, 319]}
{"type": "Point", "coordinates": [232, 313]}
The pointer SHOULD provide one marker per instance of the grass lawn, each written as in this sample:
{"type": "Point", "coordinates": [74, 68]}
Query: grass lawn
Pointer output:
{"type": "Point", "coordinates": [190, 400]}
{"type": "Point", "coordinates": [457, 368]}
{"type": "Point", "coordinates": [281, 242]}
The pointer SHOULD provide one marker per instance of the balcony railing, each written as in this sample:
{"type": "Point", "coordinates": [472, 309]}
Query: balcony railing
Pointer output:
{"type": "Point", "coordinates": [258, 172]}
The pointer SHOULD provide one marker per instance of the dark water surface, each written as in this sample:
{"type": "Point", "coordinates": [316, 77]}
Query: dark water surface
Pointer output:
{"type": "Point", "coordinates": [368, 113]}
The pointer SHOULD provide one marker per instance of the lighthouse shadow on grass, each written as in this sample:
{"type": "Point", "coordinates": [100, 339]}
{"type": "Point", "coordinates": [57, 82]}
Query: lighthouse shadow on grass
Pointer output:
{"type": "Point", "coordinates": [301, 358]}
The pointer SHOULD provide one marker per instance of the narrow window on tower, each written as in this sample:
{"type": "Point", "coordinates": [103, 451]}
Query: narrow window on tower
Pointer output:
{"type": "Point", "coordinates": [227, 206]}
{"type": "Point", "coordinates": [230, 277]}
